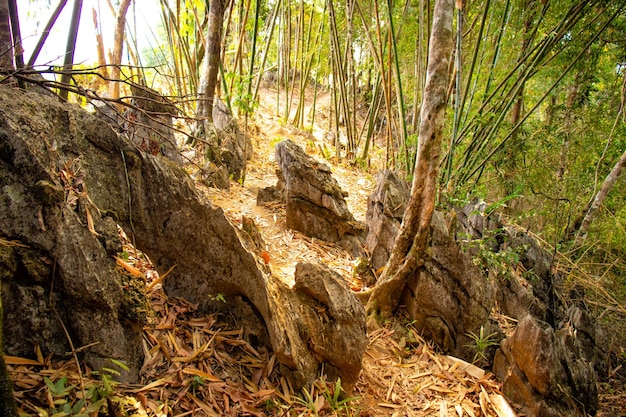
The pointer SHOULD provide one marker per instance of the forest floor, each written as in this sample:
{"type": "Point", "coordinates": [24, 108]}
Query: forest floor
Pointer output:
{"type": "Point", "coordinates": [197, 365]}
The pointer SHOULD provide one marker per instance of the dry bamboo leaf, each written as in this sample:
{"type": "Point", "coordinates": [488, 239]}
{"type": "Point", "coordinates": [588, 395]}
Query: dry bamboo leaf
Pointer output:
{"type": "Point", "coordinates": [501, 406]}
{"type": "Point", "coordinates": [11, 243]}
{"type": "Point", "coordinates": [132, 270]}
{"type": "Point", "coordinates": [443, 390]}
{"type": "Point", "coordinates": [420, 375]}
{"type": "Point", "coordinates": [205, 375]}
{"type": "Point", "coordinates": [443, 409]}
{"type": "Point", "coordinates": [388, 405]}
{"type": "Point", "coordinates": [390, 389]}
{"type": "Point", "coordinates": [261, 394]}
{"type": "Point", "coordinates": [468, 368]}
{"type": "Point", "coordinates": [15, 360]}
{"type": "Point", "coordinates": [90, 225]}
{"type": "Point", "coordinates": [319, 403]}
{"type": "Point", "coordinates": [204, 406]}
{"type": "Point", "coordinates": [154, 384]}
{"type": "Point", "coordinates": [160, 279]}
{"type": "Point", "coordinates": [38, 353]}
{"type": "Point", "coordinates": [483, 399]}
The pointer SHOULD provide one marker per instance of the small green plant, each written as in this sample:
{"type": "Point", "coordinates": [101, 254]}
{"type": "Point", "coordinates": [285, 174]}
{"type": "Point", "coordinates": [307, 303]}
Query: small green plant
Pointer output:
{"type": "Point", "coordinates": [106, 385]}
{"type": "Point", "coordinates": [339, 404]}
{"type": "Point", "coordinates": [219, 297]}
{"type": "Point", "coordinates": [196, 383]}
{"type": "Point", "coordinates": [63, 404]}
{"type": "Point", "coordinates": [314, 405]}
{"type": "Point", "coordinates": [272, 405]}
{"type": "Point", "coordinates": [481, 343]}
{"type": "Point", "coordinates": [496, 256]}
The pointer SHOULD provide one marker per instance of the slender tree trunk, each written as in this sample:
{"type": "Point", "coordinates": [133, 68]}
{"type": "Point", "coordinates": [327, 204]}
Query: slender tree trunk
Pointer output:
{"type": "Point", "coordinates": [46, 32]}
{"type": "Point", "coordinates": [17, 37]}
{"type": "Point", "coordinates": [211, 65]}
{"type": "Point", "coordinates": [412, 238]}
{"type": "Point", "coordinates": [68, 62]}
{"type": "Point", "coordinates": [606, 188]}
{"type": "Point", "coordinates": [6, 41]}
{"type": "Point", "coordinates": [99, 47]}
{"type": "Point", "coordinates": [118, 49]}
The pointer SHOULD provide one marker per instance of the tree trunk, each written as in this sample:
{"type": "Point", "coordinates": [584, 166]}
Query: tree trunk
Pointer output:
{"type": "Point", "coordinates": [46, 32]}
{"type": "Point", "coordinates": [6, 42]}
{"type": "Point", "coordinates": [118, 48]}
{"type": "Point", "coordinates": [415, 229]}
{"type": "Point", "coordinates": [100, 48]}
{"type": "Point", "coordinates": [211, 65]}
{"type": "Point", "coordinates": [607, 186]}
{"type": "Point", "coordinates": [68, 62]}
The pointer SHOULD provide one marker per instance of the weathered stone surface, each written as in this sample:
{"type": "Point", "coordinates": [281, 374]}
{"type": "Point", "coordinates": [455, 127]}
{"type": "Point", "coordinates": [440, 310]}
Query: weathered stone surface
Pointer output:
{"type": "Point", "coordinates": [478, 231]}
{"type": "Point", "coordinates": [114, 183]}
{"type": "Point", "coordinates": [448, 297]}
{"type": "Point", "coordinates": [273, 193]}
{"type": "Point", "coordinates": [385, 208]}
{"type": "Point", "coordinates": [549, 364]}
{"type": "Point", "coordinates": [316, 205]}
{"type": "Point", "coordinates": [58, 271]}
{"type": "Point", "coordinates": [228, 149]}
{"type": "Point", "coordinates": [149, 123]}
{"type": "Point", "coordinates": [543, 371]}
{"type": "Point", "coordinates": [331, 322]}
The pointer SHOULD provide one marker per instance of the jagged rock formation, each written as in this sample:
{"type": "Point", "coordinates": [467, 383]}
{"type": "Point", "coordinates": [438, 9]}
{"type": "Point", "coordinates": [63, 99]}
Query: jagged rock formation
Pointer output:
{"type": "Point", "coordinates": [56, 265]}
{"type": "Point", "coordinates": [544, 370]}
{"type": "Point", "coordinates": [331, 324]}
{"type": "Point", "coordinates": [547, 363]}
{"type": "Point", "coordinates": [227, 149]}
{"type": "Point", "coordinates": [149, 123]}
{"type": "Point", "coordinates": [316, 205]}
{"type": "Point", "coordinates": [385, 208]}
{"type": "Point", "coordinates": [68, 181]}
{"type": "Point", "coordinates": [448, 297]}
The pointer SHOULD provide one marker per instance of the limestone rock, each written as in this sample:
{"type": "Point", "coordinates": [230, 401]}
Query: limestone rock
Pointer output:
{"type": "Point", "coordinates": [316, 205]}
{"type": "Point", "coordinates": [110, 182]}
{"type": "Point", "coordinates": [58, 272]}
{"type": "Point", "coordinates": [229, 148]}
{"type": "Point", "coordinates": [551, 357]}
{"type": "Point", "coordinates": [448, 297]}
{"type": "Point", "coordinates": [149, 123]}
{"type": "Point", "coordinates": [330, 323]}
{"type": "Point", "coordinates": [542, 371]}
{"type": "Point", "coordinates": [549, 364]}
{"type": "Point", "coordinates": [385, 208]}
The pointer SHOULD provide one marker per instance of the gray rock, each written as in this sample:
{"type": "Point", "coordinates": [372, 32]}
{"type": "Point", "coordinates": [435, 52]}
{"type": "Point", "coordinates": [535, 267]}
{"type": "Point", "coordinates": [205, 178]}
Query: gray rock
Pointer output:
{"type": "Point", "coordinates": [448, 297]}
{"type": "Point", "coordinates": [543, 371]}
{"type": "Point", "coordinates": [149, 123]}
{"type": "Point", "coordinates": [385, 208]}
{"type": "Point", "coordinates": [316, 205]}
